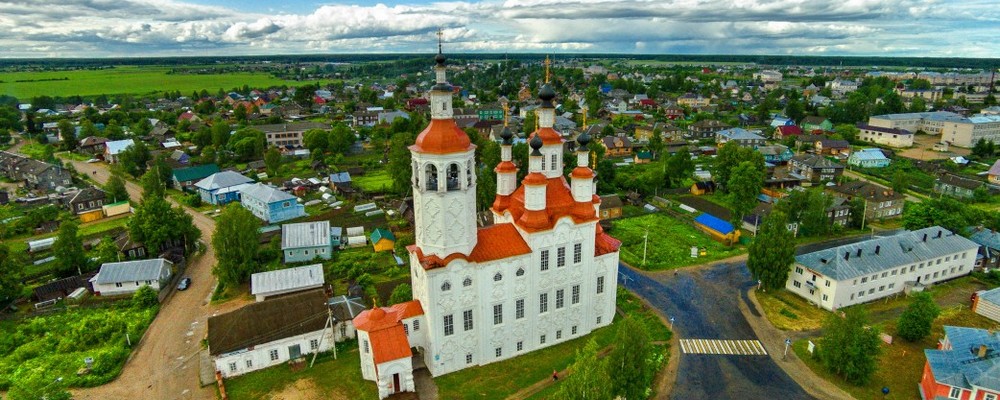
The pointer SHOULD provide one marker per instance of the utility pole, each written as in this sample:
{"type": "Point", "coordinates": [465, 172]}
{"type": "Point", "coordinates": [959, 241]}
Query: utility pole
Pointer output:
{"type": "Point", "coordinates": [645, 243]}
{"type": "Point", "coordinates": [322, 335]}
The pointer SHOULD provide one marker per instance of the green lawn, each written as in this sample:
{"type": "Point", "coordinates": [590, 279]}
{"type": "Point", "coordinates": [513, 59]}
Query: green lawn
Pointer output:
{"type": "Point", "coordinates": [327, 379]}
{"type": "Point", "coordinates": [33, 150]}
{"type": "Point", "coordinates": [901, 364]}
{"type": "Point", "coordinates": [502, 379]}
{"type": "Point", "coordinates": [127, 79]}
{"type": "Point", "coordinates": [373, 181]}
{"type": "Point", "coordinates": [786, 311]}
{"type": "Point", "coordinates": [669, 244]}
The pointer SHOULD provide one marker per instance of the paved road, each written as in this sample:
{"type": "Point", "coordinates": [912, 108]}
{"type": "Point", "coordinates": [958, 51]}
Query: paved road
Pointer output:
{"type": "Point", "coordinates": [703, 303]}
{"type": "Point", "coordinates": [165, 366]}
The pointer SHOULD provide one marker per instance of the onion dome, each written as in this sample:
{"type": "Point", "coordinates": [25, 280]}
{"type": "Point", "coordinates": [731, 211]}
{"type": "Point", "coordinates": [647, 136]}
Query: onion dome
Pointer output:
{"type": "Point", "coordinates": [546, 94]}
{"type": "Point", "coordinates": [583, 140]}
{"type": "Point", "coordinates": [440, 59]}
{"type": "Point", "coordinates": [536, 144]}
{"type": "Point", "coordinates": [507, 135]}
{"type": "Point", "coordinates": [442, 136]}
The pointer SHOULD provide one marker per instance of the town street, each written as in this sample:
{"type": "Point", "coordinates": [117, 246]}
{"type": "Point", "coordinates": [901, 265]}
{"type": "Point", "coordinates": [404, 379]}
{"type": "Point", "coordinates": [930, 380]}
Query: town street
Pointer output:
{"type": "Point", "coordinates": [165, 365]}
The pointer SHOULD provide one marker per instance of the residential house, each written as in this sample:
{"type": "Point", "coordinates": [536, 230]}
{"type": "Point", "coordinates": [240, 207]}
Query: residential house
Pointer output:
{"type": "Point", "coordinates": [956, 186]}
{"type": "Point", "coordinates": [306, 241]}
{"type": "Point", "coordinates": [702, 187]}
{"type": "Point", "coordinates": [776, 154]}
{"type": "Point", "coordinates": [674, 112]}
{"type": "Point", "coordinates": [643, 157]}
{"type": "Point", "coordinates": [9, 163]}
{"type": "Point", "coordinates": [269, 333]}
{"type": "Point", "coordinates": [966, 365]}
{"type": "Point", "coordinates": [989, 246]}
{"type": "Point", "coordinates": [693, 100]}
{"type": "Point", "coordinates": [705, 128]}
{"type": "Point", "coordinates": [741, 136]}
{"type": "Point", "coordinates": [892, 137]}
{"type": "Point", "coordinates": [611, 207]}
{"type": "Point", "coordinates": [814, 168]}
{"type": "Point", "coordinates": [814, 123]}
{"type": "Point", "coordinates": [785, 131]}
{"type": "Point", "coordinates": [839, 212]}
{"type": "Point", "coordinates": [382, 240]}
{"type": "Point", "coordinates": [717, 228]}
{"type": "Point", "coordinates": [781, 121]}
{"type": "Point", "coordinates": [993, 175]}
{"type": "Point", "coordinates": [88, 203]}
{"type": "Point", "coordinates": [987, 304]}
{"type": "Point", "coordinates": [868, 158]}
{"type": "Point", "coordinates": [880, 202]}
{"type": "Point", "coordinates": [270, 204]}
{"type": "Point", "coordinates": [344, 309]}
{"type": "Point", "coordinates": [180, 157]}
{"type": "Point", "coordinates": [879, 267]}
{"type": "Point", "coordinates": [222, 187]}
{"type": "Point", "coordinates": [42, 176]}
{"type": "Point", "coordinates": [131, 249]}
{"type": "Point", "coordinates": [113, 148]}
{"type": "Point", "coordinates": [185, 178]}
{"type": "Point", "coordinates": [269, 284]}
{"type": "Point", "coordinates": [290, 135]}
{"type": "Point", "coordinates": [341, 182]}
{"type": "Point", "coordinates": [832, 147]}
{"type": "Point", "coordinates": [617, 146]}
{"type": "Point", "coordinates": [121, 278]}
{"type": "Point", "coordinates": [92, 145]}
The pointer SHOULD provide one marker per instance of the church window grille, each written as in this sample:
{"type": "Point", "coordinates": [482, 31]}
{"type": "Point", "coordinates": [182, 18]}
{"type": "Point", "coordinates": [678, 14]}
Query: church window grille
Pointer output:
{"type": "Point", "coordinates": [577, 253]}
{"type": "Point", "coordinates": [432, 177]}
{"type": "Point", "coordinates": [520, 272]}
{"type": "Point", "coordinates": [519, 309]}
{"type": "Point", "coordinates": [467, 282]}
{"type": "Point", "coordinates": [467, 320]}
{"type": "Point", "coordinates": [543, 303]}
{"type": "Point", "coordinates": [561, 257]}
{"type": "Point", "coordinates": [545, 260]}
{"type": "Point", "coordinates": [449, 326]}
{"type": "Point", "coordinates": [453, 175]}
{"type": "Point", "coordinates": [600, 284]}
{"type": "Point", "coordinates": [497, 314]}
{"type": "Point", "coordinates": [498, 277]}
{"type": "Point", "coordinates": [576, 294]}
{"type": "Point", "coordinates": [446, 286]}
{"type": "Point", "coordinates": [559, 299]}
{"type": "Point", "coordinates": [554, 163]}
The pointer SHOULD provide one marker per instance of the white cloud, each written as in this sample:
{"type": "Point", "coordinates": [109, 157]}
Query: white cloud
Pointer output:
{"type": "Point", "coordinates": [47, 28]}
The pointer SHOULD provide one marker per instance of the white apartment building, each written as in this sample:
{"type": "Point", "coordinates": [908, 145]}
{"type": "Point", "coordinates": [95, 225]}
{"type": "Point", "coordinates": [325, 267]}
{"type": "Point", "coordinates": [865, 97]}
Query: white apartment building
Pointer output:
{"type": "Point", "coordinates": [953, 128]}
{"type": "Point", "coordinates": [544, 273]}
{"type": "Point", "coordinates": [872, 269]}
{"type": "Point", "coordinates": [892, 137]}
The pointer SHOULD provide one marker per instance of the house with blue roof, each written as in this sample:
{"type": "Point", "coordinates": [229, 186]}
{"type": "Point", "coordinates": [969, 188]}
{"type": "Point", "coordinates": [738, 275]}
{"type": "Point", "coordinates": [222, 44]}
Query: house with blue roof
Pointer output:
{"type": "Point", "coordinates": [869, 158]}
{"type": "Point", "coordinates": [987, 303]}
{"type": "Point", "coordinates": [882, 266]}
{"type": "Point", "coordinates": [741, 136]}
{"type": "Point", "coordinates": [222, 187]}
{"type": "Point", "coordinates": [718, 228]}
{"type": "Point", "coordinates": [989, 246]}
{"type": "Point", "coordinates": [115, 147]}
{"type": "Point", "coordinates": [270, 204]}
{"type": "Point", "coordinates": [966, 365]}
{"type": "Point", "coordinates": [776, 154]}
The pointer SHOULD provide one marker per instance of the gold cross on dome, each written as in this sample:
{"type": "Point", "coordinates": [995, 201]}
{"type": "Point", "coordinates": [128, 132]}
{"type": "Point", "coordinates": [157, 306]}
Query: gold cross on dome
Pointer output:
{"type": "Point", "coordinates": [547, 63]}
{"type": "Point", "coordinates": [506, 110]}
{"type": "Point", "coordinates": [440, 35]}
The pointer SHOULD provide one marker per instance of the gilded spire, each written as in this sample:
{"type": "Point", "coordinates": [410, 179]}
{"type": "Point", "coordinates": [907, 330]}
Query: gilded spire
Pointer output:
{"type": "Point", "coordinates": [506, 114]}
{"type": "Point", "coordinates": [547, 64]}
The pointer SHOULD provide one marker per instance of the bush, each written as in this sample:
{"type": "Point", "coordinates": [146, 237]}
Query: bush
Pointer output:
{"type": "Point", "coordinates": [915, 323]}
{"type": "Point", "coordinates": [192, 200]}
{"type": "Point", "coordinates": [145, 298]}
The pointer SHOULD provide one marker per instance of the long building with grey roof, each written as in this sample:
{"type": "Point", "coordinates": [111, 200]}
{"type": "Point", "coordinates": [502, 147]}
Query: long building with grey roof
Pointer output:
{"type": "Point", "coordinates": [953, 128]}
{"type": "Point", "coordinates": [864, 271]}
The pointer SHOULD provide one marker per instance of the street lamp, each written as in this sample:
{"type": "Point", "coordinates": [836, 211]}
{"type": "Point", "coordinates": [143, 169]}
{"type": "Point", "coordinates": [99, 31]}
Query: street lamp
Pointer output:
{"type": "Point", "coordinates": [671, 323]}
{"type": "Point", "coordinates": [788, 342]}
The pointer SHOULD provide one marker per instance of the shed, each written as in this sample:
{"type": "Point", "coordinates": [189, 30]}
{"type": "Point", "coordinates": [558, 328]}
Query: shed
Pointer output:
{"type": "Point", "coordinates": [383, 239]}
{"type": "Point", "coordinates": [119, 208]}
{"type": "Point", "coordinates": [285, 281]}
{"type": "Point", "coordinates": [987, 304]}
{"type": "Point", "coordinates": [718, 228]}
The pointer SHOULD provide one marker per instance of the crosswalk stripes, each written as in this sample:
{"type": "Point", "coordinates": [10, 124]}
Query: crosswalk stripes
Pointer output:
{"type": "Point", "coordinates": [723, 347]}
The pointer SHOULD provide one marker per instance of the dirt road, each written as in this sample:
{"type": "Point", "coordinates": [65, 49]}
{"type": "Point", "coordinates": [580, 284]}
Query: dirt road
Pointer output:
{"type": "Point", "coordinates": [165, 365]}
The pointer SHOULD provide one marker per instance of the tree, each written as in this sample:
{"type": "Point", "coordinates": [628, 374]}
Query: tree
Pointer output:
{"type": "Point", "coordinates": [772, 251]}
{"type": "Point", "coordinates": [744, 186]}
{"type": "Point", "coordinates": [678, 167]}
{"type": "Point", "coordinates": [530, 120]}
{"type": "Point", "coordinates": [10, 275]}
{"type": "Point", "coordinates": [107, 251]}
{"type": "Point", "coordinates": [272, 161]}
{"type": "Point", "coordinates": [316, 140]}
{"type": "Point", "coordinates": [341, 138]}
{"type": "Point", "coordinates": [156, 224]}
{"type": "Point", "coordinates": [857, 206]}
{"type": "Point", "coordinates": [849, 347]}
{"type": "Point", "coordinates": [401, 294]}
{"type": "Point", "coordinates": [795, 110]}
{"type": "Point", "coordinates": [68, 133]}
{"type": "Point", "coordinates": [220, 133]}
{"type": "Point", "coordinates": [945, 212]}
{"type": "Point", "coordinates": [134, 158]}
{"type": "Point", "coordinates": [68, 250]}
{"type": "Point", "coordinates": [145, 297]}
{"type": "Point", "coordinates": [114, 188]}
{"type": "Point", "coordinates": [588, 377]}
{"type": "Point", "coordinates": [915, 323]}
{"type": "Point", "coordinates": [248, 144]}
{"type": "Point", "coordinates": [655, 144]}
{"type": "Point", "coordinates": [235, 241]}
{"type": "Point", "coordinates": [400, 168]}
{"type": "Point", "coordinates": [900, 181]}
{"type": "Point", "coordinates": [152, 186]}
{"type": "Point", "coordinates": [730, 155]}
{"type": "Point", "coordinates": [628, 362]}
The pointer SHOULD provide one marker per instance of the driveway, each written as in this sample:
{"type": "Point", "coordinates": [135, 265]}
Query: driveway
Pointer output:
{"type": "Point", "coordinates": [704, 305]}
{"type": "Point", "coordinates": [165, 364]}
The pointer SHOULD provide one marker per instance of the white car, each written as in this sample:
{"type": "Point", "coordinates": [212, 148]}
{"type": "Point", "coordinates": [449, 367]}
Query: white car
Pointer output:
{"type": "Point", "coordinates": [93, 160]}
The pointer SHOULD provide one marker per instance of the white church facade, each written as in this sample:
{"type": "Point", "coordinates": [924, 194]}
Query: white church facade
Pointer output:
{"type": "Point", "coordinates": [544, 273]}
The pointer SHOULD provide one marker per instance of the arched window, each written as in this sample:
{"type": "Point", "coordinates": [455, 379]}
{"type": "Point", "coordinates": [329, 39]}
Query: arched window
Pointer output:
{"type": "Point", "coordinates": [431, 172]}
{"type": "Point", "coordinates": [498, 277]}
{"type": "Point", "coordinates": [446, 286]}
{"type": "Point", "coordinates": [520, 272]}
{"type": "Point", "coordinates": [453, 175]}
{"type": "Point", "coordinates": [467, 282]}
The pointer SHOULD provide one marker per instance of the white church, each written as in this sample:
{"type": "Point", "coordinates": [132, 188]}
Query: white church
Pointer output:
{"type": "Point", "coordinates": [544, 273]}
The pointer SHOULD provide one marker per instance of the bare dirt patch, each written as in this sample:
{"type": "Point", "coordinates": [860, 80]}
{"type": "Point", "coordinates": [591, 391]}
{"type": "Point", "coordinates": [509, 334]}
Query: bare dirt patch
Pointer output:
{"type": "Point", "coordinates": [923, 149]}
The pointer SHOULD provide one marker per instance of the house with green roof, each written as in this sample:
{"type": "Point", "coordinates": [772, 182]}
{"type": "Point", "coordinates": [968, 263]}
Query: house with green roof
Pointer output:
{"type": "Point", "coordinates": [383, 239]}
{"type": "Point", "coordinates": [185, 178]}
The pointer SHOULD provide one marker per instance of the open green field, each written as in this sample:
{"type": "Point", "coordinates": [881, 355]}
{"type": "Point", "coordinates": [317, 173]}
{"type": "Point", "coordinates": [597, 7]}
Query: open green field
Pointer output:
{"type": "Point", "coordinates": [126, 80]}
{"type": "Point", "coordinates": [374, 181]}
{"type": "Point", "coordinates": [670, 243]}
{"type": "Point", "coordinates": [328, 379]}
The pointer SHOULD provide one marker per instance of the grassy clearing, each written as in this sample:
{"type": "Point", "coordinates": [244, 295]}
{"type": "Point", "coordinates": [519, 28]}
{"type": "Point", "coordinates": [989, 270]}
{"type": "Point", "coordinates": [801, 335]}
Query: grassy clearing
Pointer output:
{"type": "Point", "coordinates": [329, 378]}
{"type": "Point", "coordinates": [901, 364]}
{"type": "Point", "coordinates": [502, 379]}
{"type": "Point", "coordinates": [57, 343]}
{"type": "Point", "coordinates": [373, 181]}
{"type": "Point", "coordinates": [669, 245]}
{"type": "Point", "coordinates": [34, 150]}
{"type": "Point", "coordinates": [127, 80]}
{"type": "Point", "coordinates": [789, 312]}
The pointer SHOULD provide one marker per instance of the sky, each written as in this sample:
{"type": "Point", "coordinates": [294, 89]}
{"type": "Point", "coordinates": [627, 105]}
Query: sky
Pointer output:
{"type": "Point", "coordinates": [130, 28]}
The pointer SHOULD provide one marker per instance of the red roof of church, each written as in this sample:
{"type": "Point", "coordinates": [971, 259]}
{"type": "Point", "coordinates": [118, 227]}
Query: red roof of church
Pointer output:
{"type": "Point", "coordinates": [442, 136]}
{"type": "Point", "coordinates": [389, 344]}
{"type": "Point", "coordinates": [494, 242]}
{"type": "Point", "coordinates": [558, 203]}
{"type": "Point", "coordinates": [604, 243]}
{"type": "Point", "coordinates": [548, 135]}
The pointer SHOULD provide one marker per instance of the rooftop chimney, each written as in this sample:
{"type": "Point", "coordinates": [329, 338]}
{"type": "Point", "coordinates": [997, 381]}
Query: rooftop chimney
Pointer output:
{"type": "Point", "coordinates": [925, 237]}
{"type": "Point", "coordinates": [939, 234]}
{"type": "Point", "coordinates": [877, 248]}
{"type": "Point", "coordinates": [859, 252]}
{"type": "Point", "coordinates": [847, 256]}
{"type": "Point", "coordinates": [982, 351]}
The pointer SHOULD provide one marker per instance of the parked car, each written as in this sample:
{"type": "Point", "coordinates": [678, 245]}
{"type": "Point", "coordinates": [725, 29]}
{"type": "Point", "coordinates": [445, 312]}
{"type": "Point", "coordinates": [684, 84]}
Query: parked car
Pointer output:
{"type": "Point", "coordinates": [184, 284]}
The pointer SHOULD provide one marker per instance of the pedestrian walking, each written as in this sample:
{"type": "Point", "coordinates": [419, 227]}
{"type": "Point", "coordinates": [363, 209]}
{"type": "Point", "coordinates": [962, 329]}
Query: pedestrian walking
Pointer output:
{"type": "Point", "coordinates": [555, 375]}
